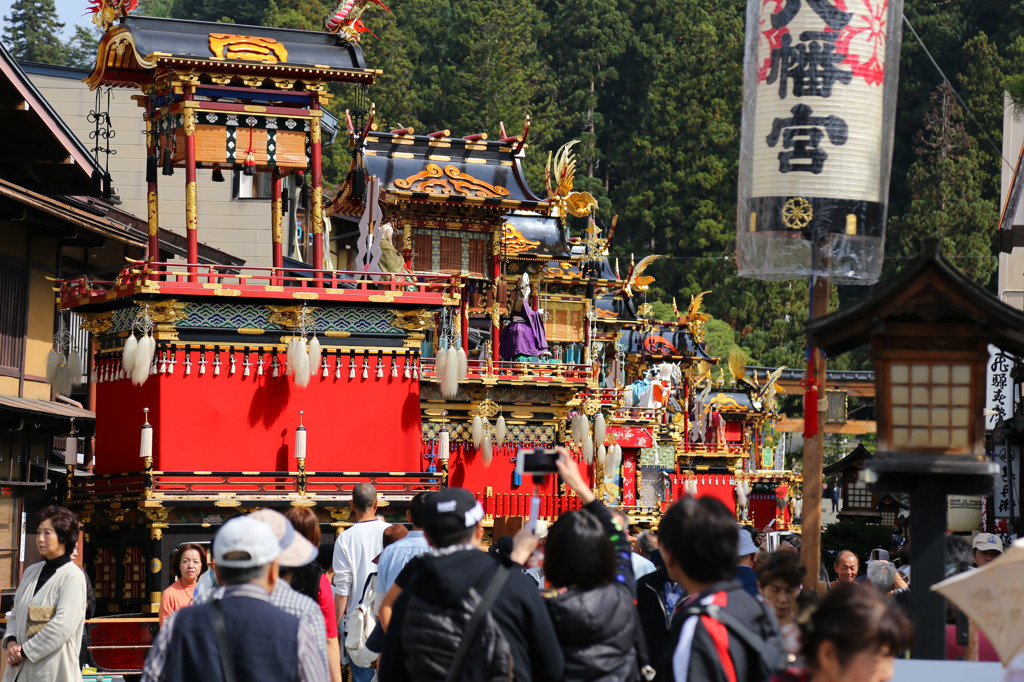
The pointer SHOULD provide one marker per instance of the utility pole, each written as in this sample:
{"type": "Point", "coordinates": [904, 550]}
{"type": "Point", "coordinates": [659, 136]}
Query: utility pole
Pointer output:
{"type": "Point", "coordinates": [814, 446]}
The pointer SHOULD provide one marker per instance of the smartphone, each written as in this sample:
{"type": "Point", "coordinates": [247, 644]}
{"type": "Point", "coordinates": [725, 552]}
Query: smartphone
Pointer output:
{"type": "Point", "coordinates": [537, 462]}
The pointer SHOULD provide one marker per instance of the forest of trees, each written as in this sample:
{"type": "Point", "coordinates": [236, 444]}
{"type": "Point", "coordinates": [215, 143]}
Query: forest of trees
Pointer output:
{"type": "Point", "coordinates": [653, 91]}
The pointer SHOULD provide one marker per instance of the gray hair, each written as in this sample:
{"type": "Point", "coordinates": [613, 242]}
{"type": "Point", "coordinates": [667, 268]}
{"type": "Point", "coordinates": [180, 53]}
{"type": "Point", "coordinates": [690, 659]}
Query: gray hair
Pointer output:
{"type": "Point", "coordinates": [647, 540]}
{"type": "Point", "coordinates": [881, 575]}
{"type": "Point", "coordinates": [363, 496]}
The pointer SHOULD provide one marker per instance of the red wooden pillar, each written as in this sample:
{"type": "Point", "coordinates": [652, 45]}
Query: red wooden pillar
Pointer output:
{"type": "Point", "coordinates": [153, 212]}
{"type": "Point", "coordinates": [496, 312]}
{"type": "Point", "coordinates": [276, 218]}
{"type": "Point", "coordinates": [318, 189]}
{"type": "Point", "coordinates": [191, 198]}
{"type": "Point", "coordinates": [465, 317]}
{"type": "Point", "coordinates": [406, 244]}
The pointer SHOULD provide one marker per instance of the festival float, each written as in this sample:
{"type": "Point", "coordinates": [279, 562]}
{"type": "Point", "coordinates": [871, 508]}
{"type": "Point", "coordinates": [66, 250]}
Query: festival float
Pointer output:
{"type": "Point", "coordinates": [475, 319]}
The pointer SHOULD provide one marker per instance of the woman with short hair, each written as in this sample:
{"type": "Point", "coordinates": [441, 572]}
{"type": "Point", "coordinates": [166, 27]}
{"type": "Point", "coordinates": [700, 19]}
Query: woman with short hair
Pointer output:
{"type": "Point", "coordinates": [187, 563]}
{"type": "Point", "coordinates": [44, 631]}
{"type": "Point", "coordinates": [853, 635]}
{"type": "Point", "coordinates": [593, 592]}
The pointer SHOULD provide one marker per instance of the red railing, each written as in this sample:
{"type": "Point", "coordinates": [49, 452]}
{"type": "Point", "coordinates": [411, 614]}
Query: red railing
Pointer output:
{"type": "Point", "coordinates": [518, 504]}
{"type": "Point", "coordinates": [252, 278]}
{"type": "Point", "coordinates": [501, 370]}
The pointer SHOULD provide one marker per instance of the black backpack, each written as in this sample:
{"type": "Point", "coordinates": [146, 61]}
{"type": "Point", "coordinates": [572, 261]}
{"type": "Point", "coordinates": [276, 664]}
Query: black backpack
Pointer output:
{"type": "Point", "coordinates": [769, 649]}
{"type": "Point", "coordinates": [462, 643]}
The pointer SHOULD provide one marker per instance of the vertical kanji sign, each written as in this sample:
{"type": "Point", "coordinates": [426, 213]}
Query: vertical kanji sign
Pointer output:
{"type": "Point", "coordinates": [819, 104]}
{"type": "Point", "coordinates": [998, 409]}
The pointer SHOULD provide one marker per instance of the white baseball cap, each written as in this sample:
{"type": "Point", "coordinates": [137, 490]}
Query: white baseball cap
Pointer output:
{"type": "Point", "coordinates": [986, 542]}
{"type": "Point", "coordinates": [243, 542]}
{"type": "Point", "coordinates": [295, 549]}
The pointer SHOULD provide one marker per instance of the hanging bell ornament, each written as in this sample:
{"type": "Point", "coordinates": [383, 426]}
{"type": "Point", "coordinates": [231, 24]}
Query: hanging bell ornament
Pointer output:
{"type": "Point", "coordinates": [249, 165]}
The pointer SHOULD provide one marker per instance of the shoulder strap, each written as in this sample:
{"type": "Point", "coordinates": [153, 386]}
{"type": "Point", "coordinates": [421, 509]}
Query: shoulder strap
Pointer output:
{"type": "Point", "coordinates": [643, 656]}
{"type": "Point", "coordinates": [490, 595]}
{"type": "Point", "coordinates": [226, 663]}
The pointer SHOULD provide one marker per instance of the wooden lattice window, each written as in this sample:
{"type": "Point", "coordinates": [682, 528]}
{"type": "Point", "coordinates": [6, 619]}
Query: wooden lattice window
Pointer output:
{"type": "Point", "coordinates": [565, 323]}
{"type": "Point", "coordinates": [930, 404]}
{"type": "Point", "coordinates": [13, 299]}
{"type": "Point", "coordinates": [451, 254]}
{"type": "Point", "coordinates": [478, 257]}
{"type": "Point", "coordinates": [106, 573]}
{"type": "Point", "coordinates": [134, 573]}
{"type": "Point", "coordinates": [857, 496]}
{"type": "Point", "coordinates": [422, 256]}
{"type": "Point", "coordinates": [888, 518]}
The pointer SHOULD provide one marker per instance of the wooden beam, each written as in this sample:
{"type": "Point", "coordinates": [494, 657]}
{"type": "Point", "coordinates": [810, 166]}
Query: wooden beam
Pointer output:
{"type": "Point", "coordinates": [856, 389]}
{"type": "Point", "coordinates": [853, 427]}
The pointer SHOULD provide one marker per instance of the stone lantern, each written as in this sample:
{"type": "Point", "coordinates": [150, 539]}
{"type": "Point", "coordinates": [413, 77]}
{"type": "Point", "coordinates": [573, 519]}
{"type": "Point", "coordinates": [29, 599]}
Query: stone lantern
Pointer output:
{"type": "Point", "coordinates": [929, 329]}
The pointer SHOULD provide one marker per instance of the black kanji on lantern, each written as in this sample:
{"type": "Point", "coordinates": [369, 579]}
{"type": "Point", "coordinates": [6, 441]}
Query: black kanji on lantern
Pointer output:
{"type": "Point", "coordinates": [810, 65]}
{"type": "Point", "coordinates": [833, 17]}
{"type": "Point", "coordinates": [801, 137]}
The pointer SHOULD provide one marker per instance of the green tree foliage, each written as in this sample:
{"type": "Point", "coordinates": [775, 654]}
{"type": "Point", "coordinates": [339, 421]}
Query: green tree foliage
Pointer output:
{"type": "Point", "coordinates": [947, 196]}
{"type": "Point", "coordinates": [32, 32]}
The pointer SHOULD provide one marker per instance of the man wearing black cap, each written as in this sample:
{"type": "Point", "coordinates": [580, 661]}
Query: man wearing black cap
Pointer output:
{"type": "Point", "coordinates": [514, 639]}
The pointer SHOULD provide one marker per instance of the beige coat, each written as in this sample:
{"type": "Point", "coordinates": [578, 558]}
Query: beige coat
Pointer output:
{"type": "Point", "coordinates": [52, 654]}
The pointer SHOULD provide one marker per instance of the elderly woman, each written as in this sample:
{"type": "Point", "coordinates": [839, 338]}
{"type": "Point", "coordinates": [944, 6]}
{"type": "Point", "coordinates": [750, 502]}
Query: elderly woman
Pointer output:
{"type": "Point", "coordinates": [187, 563]}
{"type": "Point", "coordinates": [780, 577]}
{"type": "Point", "coordinates": [44, 632]}
{"type": "Point", "coordinates": [853, 635]}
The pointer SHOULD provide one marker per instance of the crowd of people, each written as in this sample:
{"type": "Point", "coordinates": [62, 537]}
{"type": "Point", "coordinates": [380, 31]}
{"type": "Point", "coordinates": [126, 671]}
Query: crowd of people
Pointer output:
{"type": "Point", "coordinates": [583, 599]}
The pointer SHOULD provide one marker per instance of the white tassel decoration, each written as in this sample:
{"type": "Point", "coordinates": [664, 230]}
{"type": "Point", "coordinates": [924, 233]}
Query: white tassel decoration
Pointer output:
{"type": "Point", "coordinates": [142, 361]}
{"type": "Point", "coordinates": [275, 367]}
{"type": "Point", "coordinates": [408, 361]}
{"type": "Point", "coordinates": [259, 365]}
{"type": "Point", "coordinates": [231, 365]}
{"type": "Point", "coordinates": [366, 371]}
{"type": "Point", "coordinates": [163, 363]}
{"type": "Point", "coordinates": [351, 367]}
{"type": "Point", "coordinates": [588, 450]}
{"type": "Point", "coordinates": [303, 371]}
{"type": "Point", "coordinates": [245, 363]}
{"type": "Point", "coordinates": [337, 366]}
{"type": "Point", "coordinates": [602, 454]}
{"type": "Point", "coordinates": [451, 370]}
{"type": "Point", "coordinates": [442, 357]}
{"type": "Point", "coordinates": [324, 370]}
{"type": "Point", "coordinates": [173, 361]}
{"type": "Point", "coordinates": [131, 345]}
{"type": "Point", "coordinates": [500, 429]}
{"type": "Point", "coordinates": [53, 361]}
{"type": "Point", "coordinates": [76, 368]}
{"type": "Point", "coordinates": [216, 365]}
{"type": "Point", "coordinates": [315, 354]}
{"type": "Point", "coordinates": [416, 370]}
{"type": "Point", "coordinates": [380, 368]}
{"type": "Point", "coordinates": [188, 364]}
{"type": "Point", "coordinates": [477, 431]}
{"type": "Point", "coordinates": [612, 463]}
{"type": "Point", "coordinates": [394, 367]}
{"type": "Point", "coordinates": [202, 364]}
{"type": "Point", "coordinates": [487, 451]}
{"type": "Point", "coordinates": [463, 364]}
{"type": "Point", "coordinates": [146, 442]}
{"type": "Point", "coordinates": [292, 356]}
{"type": "Point", "coordinates": [443, 445]}
{"type": "Point", "coordinates": [599, 428]}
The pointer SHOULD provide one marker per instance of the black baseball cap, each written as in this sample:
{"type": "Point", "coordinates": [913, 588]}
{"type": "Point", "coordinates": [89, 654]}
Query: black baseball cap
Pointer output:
{"type": "Point", "coordinates": [448, 514]}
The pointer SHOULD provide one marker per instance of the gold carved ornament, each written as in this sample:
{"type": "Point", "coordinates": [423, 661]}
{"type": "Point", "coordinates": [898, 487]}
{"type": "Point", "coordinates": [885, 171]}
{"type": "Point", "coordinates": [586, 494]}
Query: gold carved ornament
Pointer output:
{"type": "Point", "coordinates": [514, 241]}
{"type": "Point", "coordinates": [695, 319]}
{"type": "Point", "coordinates": [318, 215]}
{"type": "Point", "coordinates": [170, 311]}
{"type": "Point", "coordinates": [797, 213]}
{"type": "Point", "coordinates": [314, 131]}
{"type": "Point", "coordinates": [190, 122]}
{"type": "Point", "coordinates": [412, 320]}
{"type": "Point", "coordinates": [97, 323]}
{"type": "Point", "coordinates": [276, 210]}
{"type": "Point", "coordinates": [191, 207]}
{"type": "Point", "coordinates": [451, 180]}
{"type": "Point", "coordinates": [153, 214]}
{"type": "Point", "coordinates": [251, 48]}
{"type": "Point", "coordinates": [290, 316]}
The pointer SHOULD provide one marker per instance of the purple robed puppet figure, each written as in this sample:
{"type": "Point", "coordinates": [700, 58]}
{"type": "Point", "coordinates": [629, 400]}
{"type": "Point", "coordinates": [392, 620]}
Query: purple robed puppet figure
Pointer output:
{"type": "Point", "coordinates": [524, 335]}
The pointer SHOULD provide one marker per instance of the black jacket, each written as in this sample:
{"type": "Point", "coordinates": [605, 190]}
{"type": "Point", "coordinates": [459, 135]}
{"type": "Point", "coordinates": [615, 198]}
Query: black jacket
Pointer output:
{"type": "Point", "coordinates": [596, 628]}
{"type": "Point", "coordinates": [695, 645]}
{"type": "Point", "coordinates": [445, 581]}
{"type": "Point", "coordinates": [655, 619]}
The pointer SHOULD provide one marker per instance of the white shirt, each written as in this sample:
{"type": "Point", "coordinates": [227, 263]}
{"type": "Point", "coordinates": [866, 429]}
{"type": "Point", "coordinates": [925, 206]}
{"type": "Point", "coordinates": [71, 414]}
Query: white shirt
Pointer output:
{"type": "Point", "coordinates": [641, 565]}
{"type": "Point", "coordinates": [354, 552]}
